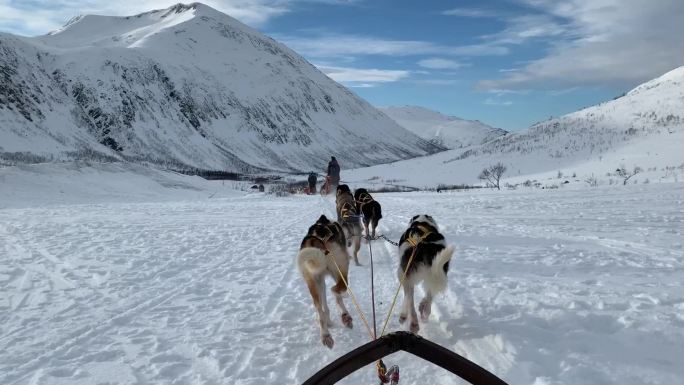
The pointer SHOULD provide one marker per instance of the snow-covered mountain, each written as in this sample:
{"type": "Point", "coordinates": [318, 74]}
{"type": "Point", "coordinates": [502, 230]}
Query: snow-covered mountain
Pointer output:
{"type": "Point", "coordinates": [443, 130]}
{"type": "Point", "coordinates": [643, 128]}
{"type": "Point", "coordinates": [654, 108]}
{"type": "Point", "coordinates": [186, 86]}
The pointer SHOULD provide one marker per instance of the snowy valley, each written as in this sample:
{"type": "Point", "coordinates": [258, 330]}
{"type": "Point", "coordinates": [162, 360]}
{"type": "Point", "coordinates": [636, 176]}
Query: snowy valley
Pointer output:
{"type": "Point", "coordinates": [186, 281]}
{"type": "Point", "coordinates": [117, 268]}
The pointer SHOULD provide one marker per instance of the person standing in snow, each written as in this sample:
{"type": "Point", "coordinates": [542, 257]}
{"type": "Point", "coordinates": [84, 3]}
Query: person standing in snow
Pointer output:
{"type": "Point", "coordinates": [333, 173]}
{"type": "Point", "coordinates": [312, 182]}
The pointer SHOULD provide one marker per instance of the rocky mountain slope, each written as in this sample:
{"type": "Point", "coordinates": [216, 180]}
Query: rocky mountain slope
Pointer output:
{"type": "Point", "coordinates": [653, 109]}
{"type": "Point", "coordinates": [187, 87]}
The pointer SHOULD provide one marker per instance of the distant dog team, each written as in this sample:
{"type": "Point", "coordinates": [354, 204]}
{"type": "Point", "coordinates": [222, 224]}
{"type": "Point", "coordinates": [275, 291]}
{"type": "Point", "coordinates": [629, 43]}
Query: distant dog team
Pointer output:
{"type": "Point", "coordinates": [323, 252]}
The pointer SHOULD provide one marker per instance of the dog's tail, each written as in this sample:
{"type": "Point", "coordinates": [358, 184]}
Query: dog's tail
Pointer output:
{"type": "Point", "coordinates": [437, 280]}
{"type": "Point", "coordinates": [311, 260]}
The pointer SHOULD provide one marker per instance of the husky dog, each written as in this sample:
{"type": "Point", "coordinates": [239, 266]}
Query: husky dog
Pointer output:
{"type": "Point", "coordinates": [370, 208]}
{"type": "Point", "coordinates": [347, 216]}
{"type": "Point", "coordinates": [322, 252]}
{"type": "Point", "coordinates": [429, 265]}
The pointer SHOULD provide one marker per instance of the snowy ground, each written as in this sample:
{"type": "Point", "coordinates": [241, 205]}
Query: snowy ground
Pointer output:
{"type": "Point", "coordinates": [547, 287]}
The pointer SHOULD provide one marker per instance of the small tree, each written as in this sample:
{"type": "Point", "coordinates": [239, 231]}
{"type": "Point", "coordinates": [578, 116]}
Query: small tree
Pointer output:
{"type": "Point", "coordinates": [492, 174]}
{"type": "Point", "coordinates": [592, 181]}
{"type": "Point", "coordinates": [626, 175]}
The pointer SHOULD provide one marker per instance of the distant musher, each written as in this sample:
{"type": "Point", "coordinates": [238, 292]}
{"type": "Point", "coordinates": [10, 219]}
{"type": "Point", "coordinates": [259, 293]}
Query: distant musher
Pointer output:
{"type": "Point", "coordinates": [312, 183]}
{"type": "Point", "coordinates": [333, 173]}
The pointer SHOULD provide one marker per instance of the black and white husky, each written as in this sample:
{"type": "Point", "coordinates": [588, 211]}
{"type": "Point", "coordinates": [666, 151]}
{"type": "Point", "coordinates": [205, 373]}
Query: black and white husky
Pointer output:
{"type": "Point", "coordinates": [429, 265]}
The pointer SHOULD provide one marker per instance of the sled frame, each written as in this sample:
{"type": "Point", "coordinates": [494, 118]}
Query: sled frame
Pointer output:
{"type": "Point", "coordinates": [408, 342]}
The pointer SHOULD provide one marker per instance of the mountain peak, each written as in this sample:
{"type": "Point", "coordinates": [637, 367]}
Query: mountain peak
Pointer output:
{"type": "Point", "coordinates": [133, 31]}
{"type": "Point", "coordinates": [673, 76]}
{"type": "Point", "coordinates": [196, 8]}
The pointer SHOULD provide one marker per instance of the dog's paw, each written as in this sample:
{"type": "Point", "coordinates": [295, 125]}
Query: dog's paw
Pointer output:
{"type": "Point", "coordinates": [425, 308]}
{"type": "Point", "coordinates": [414, 327]}
{"type": "Point", "coordinates": [347, 320]}
{"type": "Point", "coordinates": [327, 340]}
{"type": "Point", "coordinates": [402, 318]}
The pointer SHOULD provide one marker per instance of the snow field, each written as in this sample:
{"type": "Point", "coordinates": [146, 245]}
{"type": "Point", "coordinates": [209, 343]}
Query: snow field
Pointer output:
{"type": "Point", "coordinates": [546, 287]}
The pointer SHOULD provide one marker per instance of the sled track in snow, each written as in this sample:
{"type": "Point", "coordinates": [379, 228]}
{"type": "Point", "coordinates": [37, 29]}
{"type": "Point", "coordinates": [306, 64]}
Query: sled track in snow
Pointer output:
{"type": "Point", "coordinates": [208, 292]}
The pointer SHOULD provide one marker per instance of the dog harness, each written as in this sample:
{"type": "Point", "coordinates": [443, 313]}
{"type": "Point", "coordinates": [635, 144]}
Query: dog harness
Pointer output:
{"type": "Point", "coordinates": [414, 239]}
{"type": "Point", "coordinates": [324, 240]}
{"type": "Point", "coordinates": [346, 209]}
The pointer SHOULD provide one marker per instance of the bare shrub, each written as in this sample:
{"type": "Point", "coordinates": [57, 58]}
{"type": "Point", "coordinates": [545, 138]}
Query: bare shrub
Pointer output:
{"type": "Point", "coordinates": [592, 181]}
{"type": "Point", "coordinates": [623, 173]}
{"type": "Point", "coordinates": [492, 175]}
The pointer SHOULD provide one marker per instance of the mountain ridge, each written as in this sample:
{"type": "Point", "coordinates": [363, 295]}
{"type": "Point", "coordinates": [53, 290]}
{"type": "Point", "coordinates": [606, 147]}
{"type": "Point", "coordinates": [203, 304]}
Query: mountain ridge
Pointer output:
{"type": "Point", "coordinates": [643, 129]}
{"type": "Point", "coordinates": [185, 86]}
{"type": "Point", "coordinates": [449, 131]}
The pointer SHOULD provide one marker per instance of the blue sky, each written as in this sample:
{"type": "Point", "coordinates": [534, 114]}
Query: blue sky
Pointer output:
{"type": "Point", "coordinates": [508, 63]}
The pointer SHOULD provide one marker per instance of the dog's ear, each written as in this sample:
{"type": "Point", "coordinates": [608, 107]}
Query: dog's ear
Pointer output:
{"type": "Point", "coordinates": [413, 219]}
{"type": "Point", "coordinates": [323, 220]}
{"type": "Point", "coordinates": [429, 219]}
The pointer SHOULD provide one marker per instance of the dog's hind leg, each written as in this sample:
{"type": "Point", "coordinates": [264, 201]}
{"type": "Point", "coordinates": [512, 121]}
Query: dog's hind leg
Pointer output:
{"type": "Point", "coordinates": [409, 308]}
{"type": "Point", "coordinates": [318, 295]}
{"type": "Point", "coordinates": [337, 290]}
{"type": "Point", "coordinates": [425, 307]}
{"type": "Point", "coordinates": [357, 246]}
{"type": "Point", "coordinates": [375, 217]}
{"type": "Point", "coordinates": [366, 227]}
{"type": "Point", "coordinates": [374, 225]}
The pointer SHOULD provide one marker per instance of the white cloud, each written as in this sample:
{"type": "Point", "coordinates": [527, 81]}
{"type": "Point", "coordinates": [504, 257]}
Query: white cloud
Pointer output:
{"type": "Point", "coordinates": [563, 91]}
{"type": "Point", "coordinates": [472, 12]}
{"type": "Point", "coordinates": [363, 76]}
{"type": "Point", "coordinates": [497, 102]}
{"type": "Point", "coordinates": [501, 92]}
{"type": "Point", "coordinates": [437, 82]}
{"type": "Point", "coordinates": [362, 85]}
{"type": "Point", "coordinates": [602, 42]}
{"type": "Point", "coordinates": [336, 45]}
{"type": "Point", "coordinates": [440, 64]}
{"type": "Point", "coordinates": [526, 27]}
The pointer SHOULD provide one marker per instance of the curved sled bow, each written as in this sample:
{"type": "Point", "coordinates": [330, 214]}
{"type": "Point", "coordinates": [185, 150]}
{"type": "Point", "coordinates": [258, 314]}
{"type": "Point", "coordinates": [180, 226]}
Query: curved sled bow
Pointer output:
{"type": "Point", "coordinates": [408, 342]}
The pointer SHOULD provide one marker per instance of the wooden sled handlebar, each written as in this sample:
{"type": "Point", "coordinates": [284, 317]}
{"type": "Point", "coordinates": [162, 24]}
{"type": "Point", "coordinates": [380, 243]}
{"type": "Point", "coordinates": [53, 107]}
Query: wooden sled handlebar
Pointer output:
{"type": "Point", "coordinates": [408, 342]}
